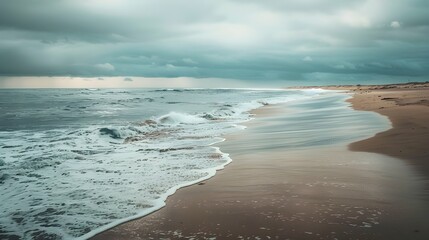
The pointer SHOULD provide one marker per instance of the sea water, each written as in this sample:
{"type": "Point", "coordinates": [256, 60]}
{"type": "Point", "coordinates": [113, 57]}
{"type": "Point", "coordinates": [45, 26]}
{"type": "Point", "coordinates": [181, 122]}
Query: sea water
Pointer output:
{"type": "Point", "coordinates": [74, 162]}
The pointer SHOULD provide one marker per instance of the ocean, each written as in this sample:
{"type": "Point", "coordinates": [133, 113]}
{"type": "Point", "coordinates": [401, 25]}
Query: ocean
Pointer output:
{"type": "Point", "coordinates": [74, 162]}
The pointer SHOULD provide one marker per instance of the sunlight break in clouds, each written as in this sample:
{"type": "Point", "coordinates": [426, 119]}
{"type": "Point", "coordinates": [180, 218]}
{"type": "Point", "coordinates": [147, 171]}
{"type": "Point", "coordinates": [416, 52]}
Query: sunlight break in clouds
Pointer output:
{"type": "Point", "coordinates": [395, 24]}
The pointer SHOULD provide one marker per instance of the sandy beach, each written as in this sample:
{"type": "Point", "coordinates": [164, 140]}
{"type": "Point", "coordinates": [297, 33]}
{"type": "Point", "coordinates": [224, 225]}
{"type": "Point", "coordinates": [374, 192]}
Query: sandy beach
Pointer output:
{"type": "Point", "coordinates": [375, 191]}
{"type": "Point", "coordinates": [407, 106]}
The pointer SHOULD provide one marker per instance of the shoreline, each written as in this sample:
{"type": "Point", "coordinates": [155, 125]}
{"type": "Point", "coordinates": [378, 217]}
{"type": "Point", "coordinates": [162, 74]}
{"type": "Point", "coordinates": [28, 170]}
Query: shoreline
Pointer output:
{"type": "Point", "coordinates": [163, 199]}
{"type": "Point", "coordinates": [227, 206]}
{"type": "Point", "coordinates": [407, 107]}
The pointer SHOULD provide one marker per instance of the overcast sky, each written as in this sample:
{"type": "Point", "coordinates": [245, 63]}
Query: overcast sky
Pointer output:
{"type": "Point", "coordinates": [254, 41]}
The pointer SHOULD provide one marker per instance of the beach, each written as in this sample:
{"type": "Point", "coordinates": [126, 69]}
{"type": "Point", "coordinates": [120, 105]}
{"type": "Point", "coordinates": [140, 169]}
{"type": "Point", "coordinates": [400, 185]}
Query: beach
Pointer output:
{"type": "Point", "coordinates": [213, 120]}
{"type": "Point", "coordinates": [407, 106]}
{"type": "Point", "coordinates": [372, 188]}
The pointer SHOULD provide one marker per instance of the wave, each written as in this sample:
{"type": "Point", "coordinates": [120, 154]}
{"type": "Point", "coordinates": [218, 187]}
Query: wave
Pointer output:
{"type": "Point", "coordinates": [168, 90]}
{"type": "Point", "coordinates": [180, 118]}
{"type": "Point", "coordinates": [121, 132]}
{"type": "Point", "coordinates": [113, 133]}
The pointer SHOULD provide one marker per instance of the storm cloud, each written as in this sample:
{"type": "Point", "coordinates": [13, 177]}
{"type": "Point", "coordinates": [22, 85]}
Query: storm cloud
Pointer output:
{"type": "Point", "coordinates": [315, 40]}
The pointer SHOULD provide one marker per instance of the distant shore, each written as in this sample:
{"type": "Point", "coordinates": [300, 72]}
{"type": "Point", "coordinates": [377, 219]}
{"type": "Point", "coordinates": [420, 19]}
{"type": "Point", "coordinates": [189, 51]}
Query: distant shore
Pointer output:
{"type": "Point", "coordinates": [313, 193]}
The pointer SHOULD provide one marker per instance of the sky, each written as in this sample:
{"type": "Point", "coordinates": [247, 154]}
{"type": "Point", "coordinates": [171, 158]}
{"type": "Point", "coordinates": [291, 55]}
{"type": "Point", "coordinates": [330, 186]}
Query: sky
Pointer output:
{"type": "Point", "coordinates": [216, 43]}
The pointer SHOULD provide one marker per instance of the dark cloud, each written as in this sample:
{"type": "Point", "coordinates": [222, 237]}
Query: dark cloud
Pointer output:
{"type": "Point", "coordinates": [251, 40]}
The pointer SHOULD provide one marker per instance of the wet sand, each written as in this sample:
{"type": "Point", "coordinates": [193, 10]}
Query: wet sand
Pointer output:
{"type": "Point", "coordinates": [407, 107]}
{"type": "Point", "coordinates": [312, 193]}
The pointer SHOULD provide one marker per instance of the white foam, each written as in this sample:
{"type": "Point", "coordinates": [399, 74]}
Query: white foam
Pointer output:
{"type": "Point", "coordinates": [178, 118]}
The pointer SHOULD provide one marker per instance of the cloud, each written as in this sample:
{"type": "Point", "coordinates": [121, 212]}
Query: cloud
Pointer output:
{"type": "Point", "coordinates": [189, 61]}
{"type": "Point", "coordinates": [250, 40]}
{"type": "Point", "coordinates": [355, 19]}
{"type": "Point", "coordinates": [395, 24]}
{"type": "Point", "coordinates": [105, 66]}
{"type": "Point", "coordinates": [128, 79]}
{"type": "Point", "coordinates": [307, 59]}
